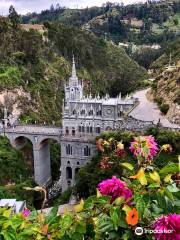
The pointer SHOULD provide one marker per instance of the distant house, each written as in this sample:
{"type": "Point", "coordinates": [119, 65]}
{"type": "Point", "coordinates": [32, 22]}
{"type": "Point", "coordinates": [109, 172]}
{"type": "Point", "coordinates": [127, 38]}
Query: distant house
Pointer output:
{"type": "Point", "coordinates": [17, 206]}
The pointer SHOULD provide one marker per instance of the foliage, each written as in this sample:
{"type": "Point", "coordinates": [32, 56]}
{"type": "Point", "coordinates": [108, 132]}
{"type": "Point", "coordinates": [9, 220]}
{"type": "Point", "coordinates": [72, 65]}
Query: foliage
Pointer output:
{"type": "Point", "coordinates": [164, 108]}
{"type": "Point", "coordinates": [14, 169]}
{"type": "Point", "coordinates": [170, 47]}
{"type": "Point", "coordinates": [88, 177]}
{"type": "Point", "coordinates": [153, 21]}
{"type": "Point", "coordinates": [39, 63]}
{"type": "Point", "coordinates": [17, 192]}
{"type": "Point", "coordinates": [153, 196]}
{"type": "Point", "coordinates": [55, 159]}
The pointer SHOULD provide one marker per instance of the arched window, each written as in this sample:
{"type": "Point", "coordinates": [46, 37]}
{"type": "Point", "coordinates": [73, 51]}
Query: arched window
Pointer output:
{"type": "Point", "coordinates": [120, 113]}
{"type": "Point", "coordinates": [68, 173]}
{"type": "Point", "coordinates": [73, 131]}
{"type": "Point", "coordinates": [91, 112]}
{"type": "Point", "coordinates": [87, 151]}
{"type": "Point", "coordinates": [98, 129]}
{"type": "Point", "coordinates": [78, 163]}
{"type": "Point", "coordinates": [67, 131]}
{"type": "Point", "coordinates": [69, 149]}
{"type": "Point", "coordinates": [83, 112]}
{"type": "Point", "coordinates": [99, 112]}
{"type": "Point", "coordinates": [74, 112]}
{"type": "Point", "coordinates": [69, 183]}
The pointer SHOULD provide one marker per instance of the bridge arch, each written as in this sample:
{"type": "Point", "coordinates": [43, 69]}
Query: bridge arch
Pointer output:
{"type": "Point", "coordinates": [39, 136]}
{"type": "Point", "coordinates": [18, 142]}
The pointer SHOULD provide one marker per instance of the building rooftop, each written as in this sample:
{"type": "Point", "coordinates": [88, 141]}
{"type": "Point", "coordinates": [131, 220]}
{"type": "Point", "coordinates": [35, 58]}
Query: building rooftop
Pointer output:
{"type": "Point", "coordinates": [107, 101]}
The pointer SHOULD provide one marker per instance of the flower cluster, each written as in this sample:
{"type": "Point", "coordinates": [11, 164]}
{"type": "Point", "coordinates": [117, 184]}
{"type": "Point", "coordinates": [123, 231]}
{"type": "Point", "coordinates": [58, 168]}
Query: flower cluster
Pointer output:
{"type": "Point", "coordinates": [144, 146]}
{"type": "Point", "coordinates": [166, 225]}
{"type": "Point", "coordinates": [166, 148]}
{"type": "Point", "coordinates": [26, 212]}
{"type": "Point", "coordinates": [115, 188]}
{"type": "Point", "coordinates": [104, 163]}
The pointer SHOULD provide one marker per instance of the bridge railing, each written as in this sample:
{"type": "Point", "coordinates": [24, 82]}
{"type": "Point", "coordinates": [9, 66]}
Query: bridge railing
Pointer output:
{"type": "Point", "coordinates": [37, 125]}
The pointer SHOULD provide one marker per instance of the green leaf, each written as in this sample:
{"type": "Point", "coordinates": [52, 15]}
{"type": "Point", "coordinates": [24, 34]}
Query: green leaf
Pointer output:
{"type": "Point", "coordinates": [146, 151]}
{"type": "Point", "coordinates": [161, 201]}
{"type": "Point", "coordinates": [154, 185]}
{"type": "Point", "coordinates": [173, 188]}
{"type": "Point", "coordinates": [168, 194]}
{"type": "Point", "coordinates": [167, 178]}
{"type": "Point", "coordinates": [127, 165]}
{"type": "Point", "coordinates": [140, 206]}
{"type": "Point", "coordinates": [81, 227]}
{"type": "Point", "coordinates": [114, 214]}
{"type": "Point", "coordinates": [105, 225]}
{"type": "Point", "coordinates": [169, 169]}
{"type": "Point", "coordinates": [155, 176]}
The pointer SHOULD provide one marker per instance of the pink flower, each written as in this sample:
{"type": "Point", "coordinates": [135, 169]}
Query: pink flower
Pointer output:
{"type": "Point", "coordinates": [115, 188]}
{"type": "Point", "coordinates": [26, 212]}
{"type": "Point", "coordinates": [144, 146]}
{"type": "Point", "coordinates": [167, 227]}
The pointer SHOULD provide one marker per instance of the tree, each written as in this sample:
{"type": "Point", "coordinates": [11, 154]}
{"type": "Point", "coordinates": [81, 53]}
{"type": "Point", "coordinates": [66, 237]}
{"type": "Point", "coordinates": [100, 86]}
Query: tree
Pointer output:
{"type": "Point", "coordinates": [14, 17]}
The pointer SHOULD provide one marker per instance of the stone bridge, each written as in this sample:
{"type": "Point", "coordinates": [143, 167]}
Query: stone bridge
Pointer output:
{"type": "Point", "coordinates": [38, 136]}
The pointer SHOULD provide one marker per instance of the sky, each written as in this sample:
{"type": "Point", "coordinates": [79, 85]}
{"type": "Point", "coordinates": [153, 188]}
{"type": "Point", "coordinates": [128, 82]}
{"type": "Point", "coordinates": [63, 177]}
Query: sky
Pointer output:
{"type": "Point", "coordinates": [25, 6]}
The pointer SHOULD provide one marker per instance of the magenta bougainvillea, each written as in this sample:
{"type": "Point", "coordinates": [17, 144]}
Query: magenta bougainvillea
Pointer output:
{"type": "Point", "coordinates": [115, 188]}
{"type": "Point", "coordinates": [144, 146]}
{"type": "Point", "coordinates": [168, 227]}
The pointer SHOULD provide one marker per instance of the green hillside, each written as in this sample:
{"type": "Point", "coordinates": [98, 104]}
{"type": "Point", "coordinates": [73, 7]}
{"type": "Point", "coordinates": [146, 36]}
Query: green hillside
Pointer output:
{"type": "Point", "coordinates": [153, 21]}
{"type": "Point", "coordinates": [170, 48]}
{"type": "Point", "coordinates": [42, 64]}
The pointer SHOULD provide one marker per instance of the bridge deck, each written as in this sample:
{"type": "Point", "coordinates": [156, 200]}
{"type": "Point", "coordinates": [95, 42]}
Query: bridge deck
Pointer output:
{"type": "Point", "coordinates": [34, 129]}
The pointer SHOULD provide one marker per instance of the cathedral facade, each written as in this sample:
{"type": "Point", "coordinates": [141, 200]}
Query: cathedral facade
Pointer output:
{"type": "Point", "coordinates": [84, 118]}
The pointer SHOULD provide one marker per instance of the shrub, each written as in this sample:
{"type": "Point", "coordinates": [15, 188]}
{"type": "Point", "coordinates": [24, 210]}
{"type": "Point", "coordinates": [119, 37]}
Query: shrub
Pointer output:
{"type": "Point", "coordinates": [164, 108]}
{"type": "Point", "coordinates": [159, 100]}
{"type": "Point", "coordinates": [144, 195]}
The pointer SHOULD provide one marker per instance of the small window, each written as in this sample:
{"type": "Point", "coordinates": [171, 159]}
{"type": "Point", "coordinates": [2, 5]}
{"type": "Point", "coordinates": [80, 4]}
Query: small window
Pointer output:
{"type": "Point", "coordinates": [120, 113]}
{"type": "Point", "coordinates": [73, 131]}
{"type": "Point", "coordinates": [99, 112]}
{"type": "Point", "coordinates": [67, 131]}
{"type": "Point", "coordinates": [91, 113]}
{"type": "Point", "coordinates": [87, 129]}
{"type": "Point", "coordinates": [83, 112]}
{"type": "Point", "coordinates": [69, 149]}
{"type": "Point", "coordinates": [98, 129]}
{"type": "Point", "coordinates": [74, 112]}
{"type": "Point", "coordinates": [80, 129]}
{"type": "Point", "coordinates": [83, 129]}
{"type": "Point", "coordinates": [87, 151]}
{"type": "Point", "coordinates": [69, 183]}
{"type": "Point", "coordinates": [78, 163]}
{"type": "Point", "coordinates": [91, 129]}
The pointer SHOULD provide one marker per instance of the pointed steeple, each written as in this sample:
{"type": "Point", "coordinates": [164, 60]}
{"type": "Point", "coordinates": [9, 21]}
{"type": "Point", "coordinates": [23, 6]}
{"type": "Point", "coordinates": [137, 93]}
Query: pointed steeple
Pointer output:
{"type": "Point", "coordinates": [73, 68]}
{"type": "Point", "coordinates": [73, 80]}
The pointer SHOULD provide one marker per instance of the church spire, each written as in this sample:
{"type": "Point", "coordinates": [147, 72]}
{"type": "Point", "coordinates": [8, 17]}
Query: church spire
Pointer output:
{"type": "Point", "coordinates": [73, 79]}
{"type": "Point", "coordinates": [73, 68]}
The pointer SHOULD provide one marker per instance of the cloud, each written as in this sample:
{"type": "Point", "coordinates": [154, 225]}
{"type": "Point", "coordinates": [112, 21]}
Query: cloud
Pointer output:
{"type": "Point", "coordinates": [25, 6]}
